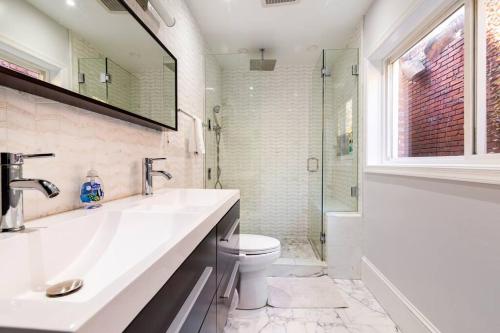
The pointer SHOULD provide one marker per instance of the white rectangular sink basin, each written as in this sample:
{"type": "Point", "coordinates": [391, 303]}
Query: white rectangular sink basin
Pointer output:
{"type": "Point", "coordinates": [195, 200]}
{"type": "Point", "coordinates": [124, 252]}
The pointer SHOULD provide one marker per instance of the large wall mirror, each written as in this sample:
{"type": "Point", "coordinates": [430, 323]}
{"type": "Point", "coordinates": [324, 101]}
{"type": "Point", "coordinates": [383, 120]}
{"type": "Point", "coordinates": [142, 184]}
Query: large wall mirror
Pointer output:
{"type": "Point", "coordinates": [94, 54]}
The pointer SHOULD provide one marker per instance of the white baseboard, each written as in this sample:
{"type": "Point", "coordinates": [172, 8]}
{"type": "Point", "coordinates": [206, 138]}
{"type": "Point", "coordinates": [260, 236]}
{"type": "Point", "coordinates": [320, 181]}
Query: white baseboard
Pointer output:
{"type": "Point", "coordinates": [401, 310]}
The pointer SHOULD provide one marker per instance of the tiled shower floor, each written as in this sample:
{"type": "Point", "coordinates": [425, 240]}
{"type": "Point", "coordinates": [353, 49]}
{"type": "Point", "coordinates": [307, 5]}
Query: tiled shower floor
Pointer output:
{"type": "Point", "coordinates": [297, 249]}
{"type": "Point", "coordinates": [297, 259]}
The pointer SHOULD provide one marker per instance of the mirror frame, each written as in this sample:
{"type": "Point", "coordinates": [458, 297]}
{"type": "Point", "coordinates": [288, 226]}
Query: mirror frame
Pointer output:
{"type": "Point", "coordinates": [21, 82]}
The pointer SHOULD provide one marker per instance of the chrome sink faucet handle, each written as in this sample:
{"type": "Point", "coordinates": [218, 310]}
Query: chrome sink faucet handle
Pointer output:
{"type": "Point", "coordinates": [148, 173]}
{"type": "Point", "coordinates": [12, 186]}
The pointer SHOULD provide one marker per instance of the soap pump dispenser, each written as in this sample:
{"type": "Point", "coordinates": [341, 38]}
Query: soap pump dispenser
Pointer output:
{"type": "Point", "coordinates": [92, 192]}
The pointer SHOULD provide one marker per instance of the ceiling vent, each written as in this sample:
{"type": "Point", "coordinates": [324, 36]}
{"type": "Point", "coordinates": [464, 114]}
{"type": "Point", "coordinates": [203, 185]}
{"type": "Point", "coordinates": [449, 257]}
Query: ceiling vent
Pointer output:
{"type": "Point", "coordinates": [272, 3]}
{"type": "Point", "coordinates": [113, 5]}
{"type": "Point", "coordinates": [116, 5]}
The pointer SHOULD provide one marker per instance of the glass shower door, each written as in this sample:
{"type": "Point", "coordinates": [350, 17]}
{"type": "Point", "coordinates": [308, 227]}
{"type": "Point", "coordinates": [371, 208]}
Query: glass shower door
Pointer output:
{"type": "Point", "coordinates": [340, 134]}
{"type": "Point", "coordinates": [333, 141]}
{"type": "Point", "coordinates": [89, 78]}
{"type": "Point", "coordinates": [120, 86]}
{"type": "Point", "coordinates": [315, 161]}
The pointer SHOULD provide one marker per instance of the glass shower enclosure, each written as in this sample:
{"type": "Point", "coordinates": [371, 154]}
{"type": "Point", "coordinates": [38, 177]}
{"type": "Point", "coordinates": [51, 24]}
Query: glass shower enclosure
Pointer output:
{"type": "Point", "coordinates": [105, 80]}
{"type": "Point", "coordinates": [332, 162]}
{"type": "Point", "coordinates": [288, 140]}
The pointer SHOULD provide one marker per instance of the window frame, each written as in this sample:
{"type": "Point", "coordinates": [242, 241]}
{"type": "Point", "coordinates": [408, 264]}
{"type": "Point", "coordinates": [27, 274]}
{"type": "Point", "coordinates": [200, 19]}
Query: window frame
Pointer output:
{"type": "Point", "coordinates": [473, 166]}
{"type": "Point", "coordinates": [481, 145]}
{"type": "Point", "coordinates": [44, 73]}
{"type": "Point", "coordinates": [474, 88]}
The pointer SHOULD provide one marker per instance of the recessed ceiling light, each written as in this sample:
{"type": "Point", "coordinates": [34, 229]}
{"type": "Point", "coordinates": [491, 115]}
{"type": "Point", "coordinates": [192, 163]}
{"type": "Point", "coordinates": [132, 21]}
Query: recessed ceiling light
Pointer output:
{"type": "Point", "coordinates": [70, 3]}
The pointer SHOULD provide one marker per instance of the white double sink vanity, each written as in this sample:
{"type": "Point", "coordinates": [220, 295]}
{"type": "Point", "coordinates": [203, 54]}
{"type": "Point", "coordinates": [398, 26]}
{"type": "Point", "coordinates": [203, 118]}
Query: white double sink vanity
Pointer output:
{"type": "Point", "coordinates": [148, 264]}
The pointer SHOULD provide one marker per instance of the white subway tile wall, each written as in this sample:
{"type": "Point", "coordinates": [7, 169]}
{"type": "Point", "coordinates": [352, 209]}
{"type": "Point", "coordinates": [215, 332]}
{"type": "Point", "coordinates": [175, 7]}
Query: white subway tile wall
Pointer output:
{"type": "Point", "coordinates": [82, 139]}
{"type": "Point", "coordinates": [265, 147]}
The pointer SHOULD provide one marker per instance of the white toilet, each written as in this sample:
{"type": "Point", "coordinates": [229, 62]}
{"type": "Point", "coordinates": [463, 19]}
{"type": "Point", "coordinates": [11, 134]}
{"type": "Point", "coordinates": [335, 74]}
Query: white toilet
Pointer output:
{"type": "Point", "coordinates": [257, 253]}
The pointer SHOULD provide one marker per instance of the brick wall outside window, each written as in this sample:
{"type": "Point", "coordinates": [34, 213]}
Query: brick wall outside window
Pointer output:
{"type": "Point", "coordinates": [431, 97]}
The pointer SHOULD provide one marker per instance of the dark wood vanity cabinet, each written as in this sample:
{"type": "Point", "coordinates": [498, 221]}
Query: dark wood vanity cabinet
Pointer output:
{"type": "Point", "coordinates": [198, 295]}
{"type": "Point", "coordinates": [228, 230]}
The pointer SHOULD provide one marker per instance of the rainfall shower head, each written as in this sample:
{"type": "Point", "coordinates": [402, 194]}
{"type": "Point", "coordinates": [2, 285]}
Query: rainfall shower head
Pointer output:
{"type": "Point", "coordinates": [262, 64]}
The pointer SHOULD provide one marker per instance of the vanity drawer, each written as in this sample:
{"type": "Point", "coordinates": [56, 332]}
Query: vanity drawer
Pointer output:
{"type": "Point", "coordinates": [228, 230]}
{"type": "Point", "coordinates": [210, 322]}
{"type": "Point", "coordinates": [225, 294]}
{"type": "Point", "coordinates": [183, 302]}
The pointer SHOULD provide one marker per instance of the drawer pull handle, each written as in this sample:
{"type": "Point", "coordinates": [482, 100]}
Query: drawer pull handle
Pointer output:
{"type": "Point", "coordinates": [231, 281]}
{"type": "Point", "coordinates": [230, 232]}
{"type": "Point", "coordinates": [183, 314]}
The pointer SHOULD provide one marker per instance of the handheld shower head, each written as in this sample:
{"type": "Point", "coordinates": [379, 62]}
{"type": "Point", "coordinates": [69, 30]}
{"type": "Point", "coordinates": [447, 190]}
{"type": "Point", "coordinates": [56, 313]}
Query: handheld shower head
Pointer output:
{"type": "Point", "coordinates": [216, 110]}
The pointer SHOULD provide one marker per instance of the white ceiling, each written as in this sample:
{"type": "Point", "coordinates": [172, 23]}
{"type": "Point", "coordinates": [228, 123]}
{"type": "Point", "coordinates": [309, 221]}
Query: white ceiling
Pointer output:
{"type": "Point", "coordinates": [293, 33]}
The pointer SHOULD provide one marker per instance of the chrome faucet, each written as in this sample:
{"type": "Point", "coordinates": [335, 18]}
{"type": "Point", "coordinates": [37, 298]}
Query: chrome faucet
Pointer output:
{"type": "Point", "coordinates": [12, 185]}
{"type": "Point", "coordinates": [148, 173]}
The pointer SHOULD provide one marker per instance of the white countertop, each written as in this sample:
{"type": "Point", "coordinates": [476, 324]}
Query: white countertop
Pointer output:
{"type": "Point", "coordinates": [124, 251]}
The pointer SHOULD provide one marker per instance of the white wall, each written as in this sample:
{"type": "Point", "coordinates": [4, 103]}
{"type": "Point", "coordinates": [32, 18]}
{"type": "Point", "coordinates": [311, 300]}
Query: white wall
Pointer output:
{"type": "Point", "coordinates": [49, 48]}
{"type": "Point", "coordinates": [82, 139]}
{"type": "Point", "coordinates": [438, 242]}
{"type": "Point", "coordinates": [380, 18]}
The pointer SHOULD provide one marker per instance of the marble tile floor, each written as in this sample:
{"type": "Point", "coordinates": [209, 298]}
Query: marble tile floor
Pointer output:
{"type": "Point", "coordinates": [364, 315]}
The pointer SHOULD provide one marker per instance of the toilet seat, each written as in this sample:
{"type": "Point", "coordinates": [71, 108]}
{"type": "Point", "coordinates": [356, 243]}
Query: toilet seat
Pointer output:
{"type": "Point", "coordinates": [258, 244]}
{"type": "Point", "coordinates": [256, 254]}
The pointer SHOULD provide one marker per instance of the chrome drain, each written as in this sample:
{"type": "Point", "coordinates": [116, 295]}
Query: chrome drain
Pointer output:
{"type": "Point", "coordinates": [64, 288]}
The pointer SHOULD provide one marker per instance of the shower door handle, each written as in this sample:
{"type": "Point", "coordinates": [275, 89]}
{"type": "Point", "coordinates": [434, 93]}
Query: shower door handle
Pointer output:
{"type": "Point", "coordinates": [312, 164]}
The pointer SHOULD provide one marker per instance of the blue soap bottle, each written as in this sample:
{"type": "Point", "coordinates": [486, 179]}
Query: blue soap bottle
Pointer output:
{"type": "Point", "coordinates": [91, 192]}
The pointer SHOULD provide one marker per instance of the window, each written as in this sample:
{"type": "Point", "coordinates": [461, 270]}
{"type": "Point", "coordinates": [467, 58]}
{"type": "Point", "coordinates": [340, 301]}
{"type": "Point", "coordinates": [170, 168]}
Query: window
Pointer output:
{"type": "Point", "coordinates": [428, 92]}
{"type": "Point", "coordinates": [24, 69]}
{"type": "Point", "coordinates": [427, 84]}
